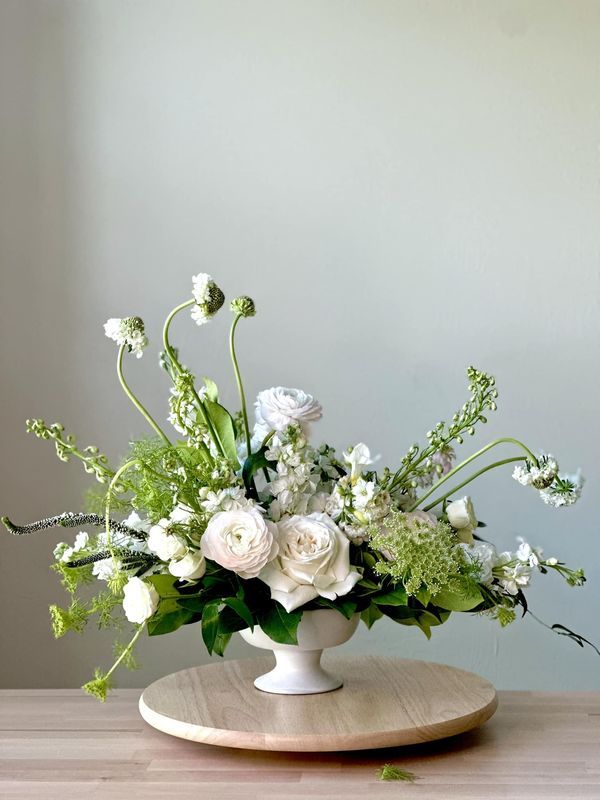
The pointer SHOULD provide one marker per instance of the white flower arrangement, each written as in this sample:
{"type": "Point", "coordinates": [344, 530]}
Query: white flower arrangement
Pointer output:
{"type": "Point", "coordinates": [230, 525]}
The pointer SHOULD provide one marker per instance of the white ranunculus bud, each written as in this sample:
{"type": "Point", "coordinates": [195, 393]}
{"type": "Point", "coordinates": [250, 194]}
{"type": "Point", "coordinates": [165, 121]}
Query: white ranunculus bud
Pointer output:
{"type": "Point", "coordinates": [140, 601]}
{"type": "Point", "coordinates": [242, 541]}
{"type": "Point", "coordinates": [190, 568]}
{"type": "Point", "coordinates": [167, 546]}
{"type": "Point", "coordinates": [461, 514]}
{"type": "Point", "coordinates": [279, 407]}
{"type": "Point", "coordinates": [314, 559]}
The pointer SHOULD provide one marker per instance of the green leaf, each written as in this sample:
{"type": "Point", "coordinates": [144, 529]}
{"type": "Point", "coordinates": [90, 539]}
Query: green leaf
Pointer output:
{"type": "Point", "coordinates": [164, 584]}
{"type": "Point", "coordinates": [223, 422]}
{"type": "Point", "coordinates": [453, 601]}
{"type": "Point", "coordinates": [345, 607]}
{"type": "Point", "coordinates": [253, 464]}
{"type": "Point", "coordinates": [166, 623]}
{"type": "Point", "coordinates": [210, 624]}
{"type": "Point", "coordinates": [280, 625]}
{"type": "Point", "coordinates": [221, 643]}
{"type": "Point", "coordinates": [423, 596]}
{"type": "Point", "coordinates": [241, 609]}
{"type": "Point", "coordinates": [397, 597]}
{"type": "Point", "coordinates": [212, 392]}
{"type": "Point", "coordinates": [370, 615]}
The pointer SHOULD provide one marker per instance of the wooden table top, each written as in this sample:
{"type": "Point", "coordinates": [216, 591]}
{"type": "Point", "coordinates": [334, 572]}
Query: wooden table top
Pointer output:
{"type": "Point", "coordinates": [62, 744]}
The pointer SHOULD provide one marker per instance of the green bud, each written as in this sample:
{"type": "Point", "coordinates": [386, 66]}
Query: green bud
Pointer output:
{"type": "Point", "coordinates": [244, 306]}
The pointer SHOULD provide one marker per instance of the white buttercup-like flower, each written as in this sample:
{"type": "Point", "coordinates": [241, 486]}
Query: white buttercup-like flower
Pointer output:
{"type": "Point", "coordinates": [314, 560]}
{"type": "Point", "coordinates": [279, 407]}
{"type": "Point", "coordinates": [166, 545]}
{"type": "Point", "coordinates": [357, 457]}
{"type": "Point", "coordinates": [140, 601]}
{"type": "Point", "coordinates": [242, 541]}
{"type": "Point", "coordinates": [190, 568]}
{"type": "Point", "coordinates": [128, 331]}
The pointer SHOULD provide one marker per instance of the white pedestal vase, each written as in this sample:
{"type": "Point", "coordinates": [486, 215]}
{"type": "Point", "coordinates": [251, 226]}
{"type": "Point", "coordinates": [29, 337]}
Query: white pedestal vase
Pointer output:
{"type": "Point", "coordinates": [298, 667]}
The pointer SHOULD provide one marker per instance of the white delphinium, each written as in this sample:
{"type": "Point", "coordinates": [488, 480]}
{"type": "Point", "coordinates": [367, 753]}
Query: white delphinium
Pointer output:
{"type": "Point", "coordinates": [280, 406]}
{"type": "Point", "coordinates": [565, 490]}
{"type": "Point", "coordinates": [539, 476]}
{"type": "Point", "coordinates": [209, 298]}
{"type": "Point", "coordinates": [128, 331]}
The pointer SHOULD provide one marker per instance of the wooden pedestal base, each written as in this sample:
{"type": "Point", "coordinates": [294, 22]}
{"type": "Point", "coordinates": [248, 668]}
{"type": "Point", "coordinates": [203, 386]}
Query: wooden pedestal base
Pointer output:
{"type": "Point", "coordinates": [385, 702]}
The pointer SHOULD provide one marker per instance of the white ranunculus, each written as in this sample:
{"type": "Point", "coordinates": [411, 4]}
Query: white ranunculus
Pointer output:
{"type": "Point", "coordinates": [279, 407]}
{"type": "Point", "coordinates": [140, 601]}
{"type": "Point", "coordinates": [461, 514]}
{"type": "Point", "coordinates": [314, 559]}
{"type": "Point", "coordinates": [167, 546]}
{"type": "Point", "coordinates": [357, 457]}
{"type": "Point", "coordinates": [191, 567]}
{"type": "Point", "coordinates": [242, 541]}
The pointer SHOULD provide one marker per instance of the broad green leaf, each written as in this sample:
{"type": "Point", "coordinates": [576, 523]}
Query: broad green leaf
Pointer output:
{"type": "Point", "coordinates": [241, 609]}
{"type": "Point", "coordinates": [345, 607]}
{"type": "Point", "coordinates": [223, 422]}
{"type": "Point", "coordinates": [253, 464]}
{"type": "Point", "coordinates": [212, 391]}
{"type": "Point", "coordinates": [210, 624]}
{"type": "Point", "coordinates": [423, 596]}
{"type": "Point", "coordinates": [221, 643]}
{"type": "Point", "coordinates": [452, 601]}
{"type": "Point", "coordinates": [370, 615]}
{"type": "Point", "coordinates": [166, 623]}
{"type": "Point", "coordinates": [280, 625]}
{"type": "Point", "coordinates": [397, 597]}
{"type": "Point", "coordinates": [164, 584]}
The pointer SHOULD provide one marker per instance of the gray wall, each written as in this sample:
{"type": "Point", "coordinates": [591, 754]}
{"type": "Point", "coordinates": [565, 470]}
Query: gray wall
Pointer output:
{"type": "Point", "coordinates": [404, 187]}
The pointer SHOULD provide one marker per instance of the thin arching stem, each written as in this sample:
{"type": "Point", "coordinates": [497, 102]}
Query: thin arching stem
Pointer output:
{"type": "Point", "coordinates": [472, 478]}
{"type": "Point", "coordinates": [134, 399]}
{"type": "Point", "coordinates": [240, 385]}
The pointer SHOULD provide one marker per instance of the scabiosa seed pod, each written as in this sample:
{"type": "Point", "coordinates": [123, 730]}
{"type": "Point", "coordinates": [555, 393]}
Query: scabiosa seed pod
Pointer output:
{"type": "Point", "coordinates": [208, 296]}
{"type": "Point", "coordinates": [244, 306]}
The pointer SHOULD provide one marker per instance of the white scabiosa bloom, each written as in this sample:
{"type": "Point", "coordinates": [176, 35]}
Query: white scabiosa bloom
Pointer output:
{"type": "Point", "coordinates": [209, 298]}
{"type": "Point", "coordinates": [314, 560]}
{"type": "Point", "coordinates": [565, 490]}
{"type": "Point", "coordinates": [540, 476]}
{"type": "Point", "coordinates": [128, 331]}
{"type": "Point", "coordinates": [140, 600]}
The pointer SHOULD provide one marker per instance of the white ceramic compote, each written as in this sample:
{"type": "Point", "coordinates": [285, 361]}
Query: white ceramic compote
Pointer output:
{"type": "Point", "coordinates": [298, 667]}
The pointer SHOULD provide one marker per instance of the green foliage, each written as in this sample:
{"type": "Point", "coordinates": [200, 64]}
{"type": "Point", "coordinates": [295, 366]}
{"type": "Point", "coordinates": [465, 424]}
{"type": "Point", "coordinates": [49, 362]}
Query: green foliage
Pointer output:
{"type": "Point", "coordinates": [225, 428]}
{"type": "Point", "coordinates": [99, 686]}
{"type": "Point", "coordinates": [94, 462]}
{"type": "Point", "coordinates": [254, 463]}
{"type": "Point", "coordinates": [124, 654]}
{"type": "Point", "coordinates": [465, 598]}
{"type": "Point", "coordinates": [279, 624]}
{"type": "Point", "coordinates": [72, 578]}
{"type": "Point", "coordinates": [370, 615]}
{"type": "Point", "coordinates": [389, 772]}
{"type": "Point", "coordinates": [64, 620]}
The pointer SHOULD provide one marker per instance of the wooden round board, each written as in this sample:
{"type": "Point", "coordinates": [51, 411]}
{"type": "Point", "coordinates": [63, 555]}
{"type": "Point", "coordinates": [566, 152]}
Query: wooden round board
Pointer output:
{"type": "Point", "coordinates": [385, 702]}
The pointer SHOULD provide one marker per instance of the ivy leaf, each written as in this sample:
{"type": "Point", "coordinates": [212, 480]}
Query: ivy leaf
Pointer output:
{"type": "Point", "coordinates": [370, 615]}
{"type": "Point", "coordinates": [280, 625]}
{"type": "Point", "coordinates": [210, 624]}
{"type": "Point", "coordinates": [223, 422]}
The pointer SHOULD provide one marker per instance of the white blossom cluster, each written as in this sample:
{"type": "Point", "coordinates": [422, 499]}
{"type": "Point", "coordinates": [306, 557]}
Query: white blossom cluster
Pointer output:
{"type": "Point", "coordinates": [555, 488]}
{"type": "Point", "coordinates": [129, 332]}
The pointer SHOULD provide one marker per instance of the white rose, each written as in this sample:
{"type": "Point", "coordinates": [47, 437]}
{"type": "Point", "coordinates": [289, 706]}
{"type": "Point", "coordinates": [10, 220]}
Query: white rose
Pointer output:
{"type": "Point", "coordinates": [191, 567]}
{"type": "Point", "coordinates": [461, 516]}
{"type": "Point", "coordinates": [279, 407]}
{"type": "Point", "coordinates": [140, 601]}
{"type": "Point", "coordinates": [357, 457]}
{"type": "Point", "coordinates": [314, 560]}
{"type": "Point", "coordinates": [167, 546]}
{"type": "Point", "coordinates": [241, 541]}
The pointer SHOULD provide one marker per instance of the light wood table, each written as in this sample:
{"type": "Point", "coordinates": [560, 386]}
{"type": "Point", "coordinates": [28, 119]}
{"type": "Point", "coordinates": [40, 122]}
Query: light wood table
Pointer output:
{"type": "Point", "coordinates": [60, 744]}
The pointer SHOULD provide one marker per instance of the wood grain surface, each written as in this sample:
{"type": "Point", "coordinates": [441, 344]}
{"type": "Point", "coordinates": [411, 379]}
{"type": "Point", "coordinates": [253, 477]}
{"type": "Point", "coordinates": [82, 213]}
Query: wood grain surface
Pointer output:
{"type": "Point", "coordinates": [385, 702]}
{"type": "Point", "coordinates": [62, 745]}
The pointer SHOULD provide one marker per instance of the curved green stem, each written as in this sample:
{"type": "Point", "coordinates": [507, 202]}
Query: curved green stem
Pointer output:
{"type": "Point", "coordinates": [134, 399]}
{"type": "Point", "coordinates": [503, 440]}
{"type": "Point", "coordinates": [111, 486]}
{"type": "Point", "coordinates": [126, 650]}
{"type": "Point", "coordinates": [472, 478]}
{"type": "Point", "coordinates": [202, 408]}
{"type": "Point", "coordinates": [240, 385]}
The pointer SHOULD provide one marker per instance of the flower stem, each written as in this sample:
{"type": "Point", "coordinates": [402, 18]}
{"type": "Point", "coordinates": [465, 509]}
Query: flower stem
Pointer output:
{"type": "Point", "coordinates": [240, 385]}
{"type": "Point", "coordinates": [126, 650]}
{"type": "Point", "coordinates": [111, 486]}
{"type": "Point", "coordinates": [472, 478]}
{"type": "Point", "coordinates": [134, 399]}
{"type": "Point", "coordinates": [202, 408]}
{"type": "Point", "coordinates": [504, 440]}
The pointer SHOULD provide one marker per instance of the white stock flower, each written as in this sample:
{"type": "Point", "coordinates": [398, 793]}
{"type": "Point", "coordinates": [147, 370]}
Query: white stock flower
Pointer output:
{"type": "Point", "coordinates": [63, 552]}
{"type": "Point", "coordinates": [241, 541]}
{"type": "Point", "coordinates": [278, 407]}
{"type": "Point", "coordinates": [511, 573]}
{"type": "Point", "coordinates": [231, 499]}
{"type": "Point", "coordinates": [128, 331]}
{"type": "Point", "coordinates": [357, 457]}
{"type": "Point", "coordinates": [190, 568]}
{"type": "Point", "coordinates": [140, 600]}
{"type": "Point", "coordinates": [528, 554]}
{"type": "Point", "coordinates": [314, 559]}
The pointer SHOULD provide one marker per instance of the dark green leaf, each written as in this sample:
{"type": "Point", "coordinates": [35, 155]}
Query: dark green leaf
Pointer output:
{"type": "Point", "coordinates": [397, 597]}
{"type": "Point", "coordinates": [223, 422]}
{"type": "Point", "coordinates": [221, 643]}
{"type": "Point", "coordinates": [241, 609]}
{"type": "Point", "coordinates": [280, 625]}
{"type": "Point", "coordinates": [210, 624]}
{"type": "Point", "coordinates": [370, 615]}
{"type": "Point", "coordinates": [253, 464]}
{"type": "Point", "coordinates": [166, 623]}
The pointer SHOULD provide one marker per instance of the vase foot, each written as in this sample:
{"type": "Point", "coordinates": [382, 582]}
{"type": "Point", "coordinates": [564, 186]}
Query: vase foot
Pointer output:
{"type": "Point", "coordinates": [274, 682]}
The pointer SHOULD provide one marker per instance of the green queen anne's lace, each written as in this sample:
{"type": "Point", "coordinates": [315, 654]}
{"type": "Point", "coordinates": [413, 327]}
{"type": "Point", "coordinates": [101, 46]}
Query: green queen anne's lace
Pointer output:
{"type": "Point", "coordinates": [418, 554]}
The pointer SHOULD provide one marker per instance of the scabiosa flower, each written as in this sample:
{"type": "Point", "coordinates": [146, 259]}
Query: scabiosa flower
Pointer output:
{"type": "Point", "coordinates": [540, 476]}
{"type": "Point", "coordinates": [128, 331]}
{"type": "Point", "coordinates": [244, 306]}
{"type": "Point", "coordinates": [565, 490]}
{"type": "Point", "coordinates": [209, 298]}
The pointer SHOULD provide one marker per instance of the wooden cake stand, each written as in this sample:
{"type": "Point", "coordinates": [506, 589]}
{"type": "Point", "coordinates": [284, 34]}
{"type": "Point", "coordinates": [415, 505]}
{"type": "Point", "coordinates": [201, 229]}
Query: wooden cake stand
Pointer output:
{"type": "Point", "coordinates": [385, 702]}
